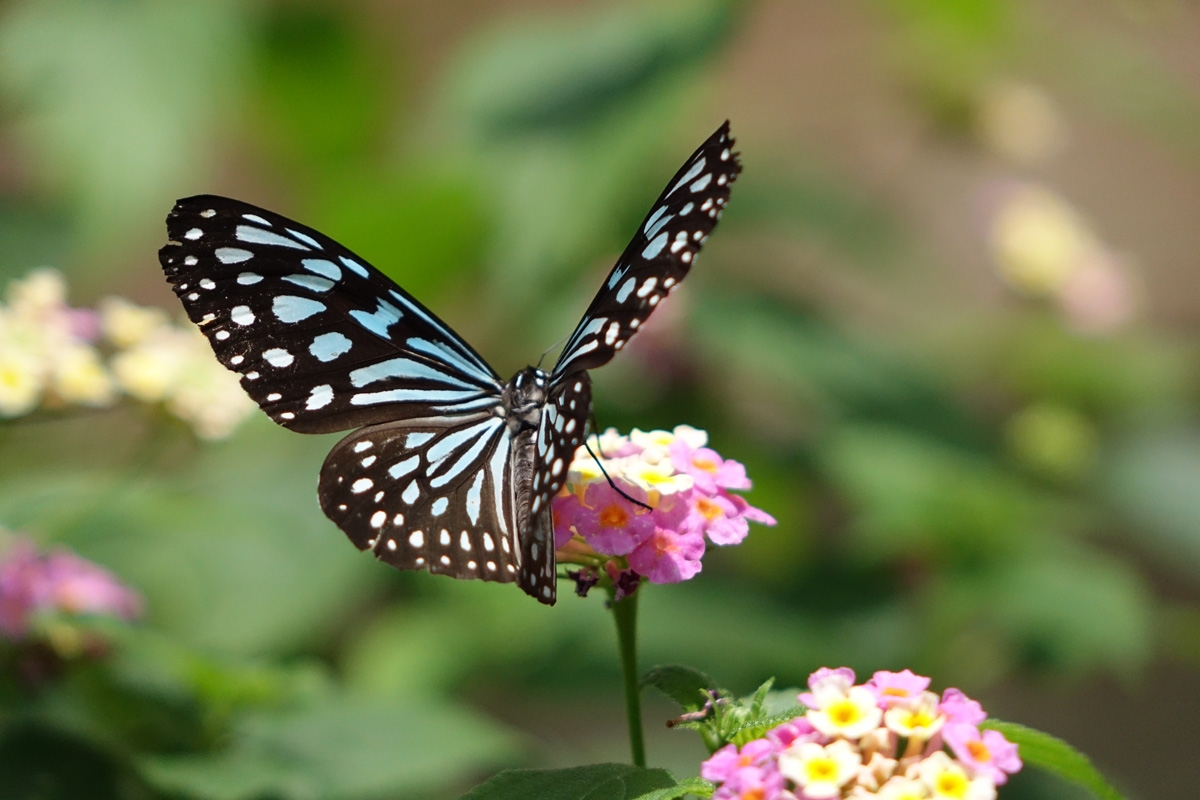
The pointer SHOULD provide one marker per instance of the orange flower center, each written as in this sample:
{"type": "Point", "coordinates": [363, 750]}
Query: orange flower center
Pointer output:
{"type": "Point", "coordinates": [745, 761]}
{"type": "Point", "coordinates": [709, 509]}
{"type": "Point", "coordinates": [614, 517]}
{"type": "Point", "coordinates": [979, 751]}
{"type": "Point", "coordinates": [705, 464]}
{"type": "Point", "coordinates": [757, 793]}
{"type": "Point", "coordinates": [895, 691]}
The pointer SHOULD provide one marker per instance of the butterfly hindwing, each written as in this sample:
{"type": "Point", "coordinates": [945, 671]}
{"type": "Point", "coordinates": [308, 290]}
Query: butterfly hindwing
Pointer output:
{"type": "Point", "coordinates": [322, 340]}
{"type": "Point", "coordinates": [426, 495]}
{"type": "Point", "coordinates": [658, 257]}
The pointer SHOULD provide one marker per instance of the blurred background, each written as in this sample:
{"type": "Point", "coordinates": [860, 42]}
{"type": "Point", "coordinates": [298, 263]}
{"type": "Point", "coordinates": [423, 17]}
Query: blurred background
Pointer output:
{"type": "Point", "coordinates": [948, 322]}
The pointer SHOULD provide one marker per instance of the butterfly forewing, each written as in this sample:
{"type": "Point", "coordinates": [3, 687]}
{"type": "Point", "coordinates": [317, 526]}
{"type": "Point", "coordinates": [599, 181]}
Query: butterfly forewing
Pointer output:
{"type": "Point", "coordinates": [659, 256]}
{"type": "Point", "coordinates": [322, 340]}
{"type": "Point", "coordinates": [426, 495]}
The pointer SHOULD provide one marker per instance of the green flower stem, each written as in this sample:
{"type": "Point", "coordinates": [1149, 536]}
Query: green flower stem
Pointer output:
{"type": "Point", "coordinates": [625, 614]}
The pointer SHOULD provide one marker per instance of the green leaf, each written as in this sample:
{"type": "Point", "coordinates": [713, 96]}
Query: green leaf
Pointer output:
{"type": "Point", "coordinates": [111, 95]}
{"type": "Point", "coordinates": [694, 786]}
{"type": "Point", "coordinates": [338, 749]}
{"type": "Point", "coordinates": [684, 685]}
{"type": "Point", "coordinates": [1056, 756]}
{"type": "Point", "coordinates": [593, 782]}
{"type": "Point", "coordinates": [562, 70]}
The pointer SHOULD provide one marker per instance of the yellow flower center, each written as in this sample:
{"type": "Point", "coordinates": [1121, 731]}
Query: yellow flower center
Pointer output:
{"type": "Point", "coordinates": [821, 770]}
{"type": "Point", "coordinates": [979, 751]}
{"type": "Point", "coordinates": [844, 712]}
{"type": "Point", "coordinates": [950, 784]}
{"type": "Point", "coordinates": [614, 517]}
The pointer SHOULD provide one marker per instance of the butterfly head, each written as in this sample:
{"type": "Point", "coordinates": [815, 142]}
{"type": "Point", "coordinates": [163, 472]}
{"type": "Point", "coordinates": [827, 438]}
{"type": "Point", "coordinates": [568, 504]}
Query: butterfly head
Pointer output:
{"type": "Point", "coordinates": [524, 397]}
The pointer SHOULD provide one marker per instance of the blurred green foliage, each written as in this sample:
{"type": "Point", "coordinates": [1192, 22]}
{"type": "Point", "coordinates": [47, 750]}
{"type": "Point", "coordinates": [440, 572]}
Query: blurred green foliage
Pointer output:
{"type": "Point", "coordinates": [989, 497]}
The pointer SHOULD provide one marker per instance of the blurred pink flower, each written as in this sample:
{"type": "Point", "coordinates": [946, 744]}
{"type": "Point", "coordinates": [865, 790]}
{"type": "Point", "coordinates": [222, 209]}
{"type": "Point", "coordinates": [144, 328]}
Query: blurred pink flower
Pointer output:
{"type": "Point", "coordinates": [58, 582]}
{"type": "Point", "coordinates": [987, 753]}
{"type": "Point", "coordinates": [668, 556]}
{"type": "Point", "coordinates": [890, 688]}
{"type": "Point", "coordinates": [959, 708]}
{"type": "Point", "coordinates": [709, 471]}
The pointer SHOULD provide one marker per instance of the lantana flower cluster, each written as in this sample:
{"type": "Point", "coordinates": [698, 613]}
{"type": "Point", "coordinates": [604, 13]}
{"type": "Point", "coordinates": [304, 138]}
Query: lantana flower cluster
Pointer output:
{"type": "Point", "coordinates": [37, 585]}
{"type": "Point", "coordinates": [686, 490]}
{"type": "Point", "coordinates": [54, 356]}
{"type": "Point", "coordinates": [889, 738]}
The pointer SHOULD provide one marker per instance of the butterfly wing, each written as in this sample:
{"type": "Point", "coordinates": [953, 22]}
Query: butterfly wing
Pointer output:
{"type": "Point", "coordinates": [323, 341]}
{"type": "Point", "coordinates": [435, 495]}
{"type": "Point", "coordinates": [659, 256]}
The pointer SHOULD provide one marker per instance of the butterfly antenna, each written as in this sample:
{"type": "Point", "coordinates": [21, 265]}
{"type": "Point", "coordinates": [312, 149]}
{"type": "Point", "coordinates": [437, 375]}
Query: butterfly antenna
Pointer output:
{"type": "Point", "coordinates": [550, 350]}
{"type": "Point", "coordinates": [603, 472]}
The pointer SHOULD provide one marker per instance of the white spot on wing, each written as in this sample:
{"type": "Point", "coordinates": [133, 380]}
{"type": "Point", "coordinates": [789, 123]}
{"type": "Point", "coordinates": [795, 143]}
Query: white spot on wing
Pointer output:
{"type": "Point", "coordinates": [320, 397]}
{"type": "Point", "coordinates": [289, 308]}
{"type": "Point", "coordinates": [277, 357]}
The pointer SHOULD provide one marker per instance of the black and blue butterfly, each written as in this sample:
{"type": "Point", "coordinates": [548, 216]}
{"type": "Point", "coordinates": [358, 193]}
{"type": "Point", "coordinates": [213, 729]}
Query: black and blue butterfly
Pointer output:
{"type": "Point", "coordinates": [451, 470]}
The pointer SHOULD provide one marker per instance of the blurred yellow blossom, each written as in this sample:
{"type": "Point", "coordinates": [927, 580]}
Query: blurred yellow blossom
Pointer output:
{"type": "Point", "coordinates": [1021, 122]}
{"type": "Point", "coordinates": [50, 355]}
{"type": "Point", "coordinates": [1038, 240]}
{"type": "Point", "coordinates": [21, 379]}
{"type": "Point", "coordinates": [126, 324]}
{"type": "Point", "coordinates": [1043, 247]}
{"type": "Point", "coordinates": [80, 377]}
{"type": "Point", "coordinates": [175, 365]}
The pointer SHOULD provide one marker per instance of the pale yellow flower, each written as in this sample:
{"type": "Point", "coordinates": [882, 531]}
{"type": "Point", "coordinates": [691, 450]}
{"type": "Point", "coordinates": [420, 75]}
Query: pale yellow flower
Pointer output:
{"type": "Point", "coordinates": [41, 291]}
{"type": "Point", "coordinates": [126, 324]}
{"type": "Point", "coordinates": [820, 771]}
{"type": "Point", "coordinates": [1039, 241]}
{"type": "Point", "coordinates": [22, 380]}
{"type": "Point", "coordinates": [947, 780]}
{"type": "Point", "coordinates": [658, 477]}
{"type": "Point", "coordinates": [80, 377]}
{"type": "Point", "coordinates": [918, 717]}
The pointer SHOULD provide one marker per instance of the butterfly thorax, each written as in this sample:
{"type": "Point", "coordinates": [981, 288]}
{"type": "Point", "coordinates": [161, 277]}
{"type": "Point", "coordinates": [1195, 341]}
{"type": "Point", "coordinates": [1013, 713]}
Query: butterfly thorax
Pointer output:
{"type": "Point", "coordinates": [524, 397]}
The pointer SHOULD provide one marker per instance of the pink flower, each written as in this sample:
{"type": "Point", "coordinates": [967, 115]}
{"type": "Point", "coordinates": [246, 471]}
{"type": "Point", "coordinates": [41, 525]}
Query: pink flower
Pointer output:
{"type": "Point", "coordinates": [752, 783]}
{"type": "Point", "coordinates": [794, 730]}
{"type": "Point", "coordinates": [31, 582]}
{"type": "Point", "coordinates": [987, 754]}
{"type": "Point", "coordinates": [722, 764]}
{"type": "Point", "coordinates": [709, 471]}
{"type": "Point", "coordinates": [890, 688]}
{"type": "Point", "coordinates": [959, 708]}
{"type": "Point", "coordinates": [22, 587]}
{"type": "Point", "coordinates": [668, 556]}
{"type": "Point", "coordinates": [611, 524]}
{"type": "Point", "coordinates": [77, 586]}
{"type": "Point", "coordinates": [717, 517]}
{"type": "Point", "coordinates": [824, 672]}
{"type": "Point", "coordinates": [566, 510]}
{"type": "Point", "coordinates": [750, 512]}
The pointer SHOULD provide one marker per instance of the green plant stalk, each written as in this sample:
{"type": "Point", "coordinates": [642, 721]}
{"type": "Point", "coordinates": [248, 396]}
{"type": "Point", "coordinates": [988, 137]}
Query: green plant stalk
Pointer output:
{"type": "Point", "coordinates": [625, 614]}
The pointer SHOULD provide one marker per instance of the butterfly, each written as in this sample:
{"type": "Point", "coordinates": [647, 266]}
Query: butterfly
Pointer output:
{"type": "Point", "coordinates": [451, 469]}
